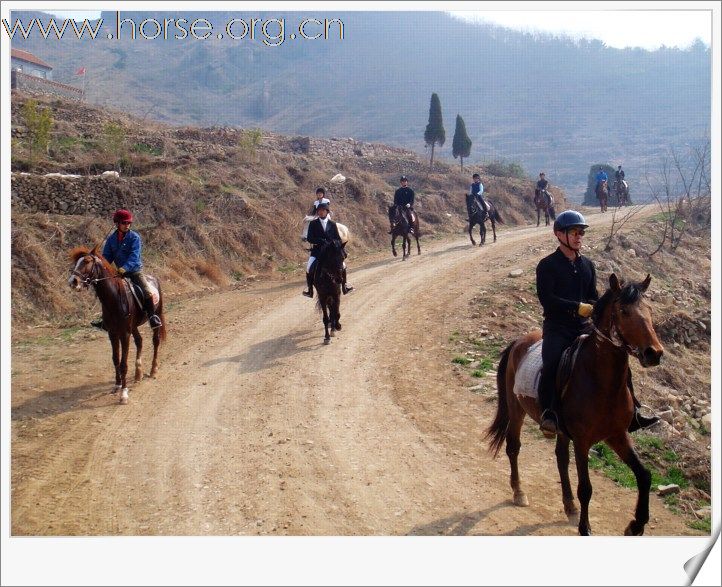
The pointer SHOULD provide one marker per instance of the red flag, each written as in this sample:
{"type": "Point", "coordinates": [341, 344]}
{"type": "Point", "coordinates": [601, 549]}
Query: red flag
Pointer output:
{"type": "Point", "coordinates": [80, 71]}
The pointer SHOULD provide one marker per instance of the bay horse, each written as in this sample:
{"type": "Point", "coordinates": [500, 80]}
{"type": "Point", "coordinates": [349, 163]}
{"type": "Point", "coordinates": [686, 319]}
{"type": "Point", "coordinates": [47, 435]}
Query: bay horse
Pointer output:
{"type": "Point", "coordinates": [479, 216]}
{"type": "Point", "coordinates": [602, 191]}
{"type": "Point", "coordinates": [400, 226]}
{"type": "Point", "coordinates": [596, 404]}
{"type": "Point", "coordinates": [621, 191]}
{"type": "Point", "coordinates": [327, 280]}
{"type": "Point", "coordinates": [543, 200]}
{"type": "Point", "coordinates": [121, 313]}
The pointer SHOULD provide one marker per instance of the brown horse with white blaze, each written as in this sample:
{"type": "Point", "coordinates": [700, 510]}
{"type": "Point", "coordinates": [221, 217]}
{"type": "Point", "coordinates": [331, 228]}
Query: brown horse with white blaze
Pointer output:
{"type": "Point", "coordinates": [121, 313]}
{"type": "Point", "coordinates": [596, 404]}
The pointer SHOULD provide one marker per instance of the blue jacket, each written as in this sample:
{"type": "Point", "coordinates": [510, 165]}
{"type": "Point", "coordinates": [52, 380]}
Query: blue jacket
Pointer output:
{"type": "Point", "coordinates": [126, 253]}
{"type": "Point", "coordinates": [477, 189]}
{"type": "Point", "coordinates": [602, 175]}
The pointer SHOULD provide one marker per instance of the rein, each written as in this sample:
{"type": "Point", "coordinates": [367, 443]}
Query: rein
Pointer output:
{"type": "Point", "coordinates": [619, 343]}
{"type": "Point", "coordinates": [89, 280]}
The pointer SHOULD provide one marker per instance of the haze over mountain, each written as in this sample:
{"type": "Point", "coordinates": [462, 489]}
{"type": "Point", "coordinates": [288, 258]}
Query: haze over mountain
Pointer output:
{"type": "Point", "coordinates": [549, 103]}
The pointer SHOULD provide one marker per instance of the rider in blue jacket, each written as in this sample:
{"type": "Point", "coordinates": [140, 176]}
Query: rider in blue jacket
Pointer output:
{"type": "Point", "coordinates": [123, 248]}
{"type": "Point", "coordinates": [477, 190]}
{"type": "Point", "coordinates": [601, 176]}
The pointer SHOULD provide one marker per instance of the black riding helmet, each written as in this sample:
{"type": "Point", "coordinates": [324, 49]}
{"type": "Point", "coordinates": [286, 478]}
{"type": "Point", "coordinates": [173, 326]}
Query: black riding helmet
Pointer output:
{"type": "Point", "coordinates": [569, 219]}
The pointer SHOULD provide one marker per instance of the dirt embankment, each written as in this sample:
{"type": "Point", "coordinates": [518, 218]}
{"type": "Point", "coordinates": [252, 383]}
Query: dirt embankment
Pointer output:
{"type": "Point", "coordinates": [216, 207]}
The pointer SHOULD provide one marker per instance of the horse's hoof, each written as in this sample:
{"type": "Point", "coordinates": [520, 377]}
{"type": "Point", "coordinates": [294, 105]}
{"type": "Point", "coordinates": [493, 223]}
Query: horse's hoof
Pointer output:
{"type": "Point", "coordinates": [396, 254]}
{"type": "Point", "coordinates": [338, 326]}
{"type": "Point", "coordinates": [153, 373]}
{"type": "Point", "coordinates": [124, 397]}
{"type": "Point", "coordinates": [116, 389]}
{"type": "Point", "coordinates": [631, 531]}
{"type": "Point", "coordinates": [333, 332]}
{"type": "Point", "coordinates": [521, 500]}
{"type": "Point", "coordinates": [139, 376]}
{"type": "Point", "coordinates": [326, 341]}
{"type": "Point", "coordinates": [573, 518]}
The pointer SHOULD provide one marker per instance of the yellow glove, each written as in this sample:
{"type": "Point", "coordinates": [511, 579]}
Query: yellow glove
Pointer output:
{"type": "Point", "coordinates": [121, 271]}
{"type": "Point", "coordinates": [585, 310]}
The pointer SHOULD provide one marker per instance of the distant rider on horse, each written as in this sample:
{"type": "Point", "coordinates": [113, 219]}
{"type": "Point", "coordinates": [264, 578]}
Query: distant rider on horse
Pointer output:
{"type": "Point", "coordinates": [566, 284]}
{"type": "Point", "coordinates": [477, 190]}
{"type": "Point", "coordinates": [321, 232]}
{"type": "Point", "coordinates": [404, 201]}
{"type": "Point", "coordinates": [619, 174]}
{"type": "Point", "coordinates": [123, 248]}
{"type": "Point", "coordinates": [541, 188]}
{"type": "Point", "coordinates": [601, 176]}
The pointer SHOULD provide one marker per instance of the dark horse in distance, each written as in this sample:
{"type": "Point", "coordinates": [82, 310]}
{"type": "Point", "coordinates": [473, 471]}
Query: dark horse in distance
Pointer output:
{"type": "Point", "coordinates": [400, 226]}
{"type": "Point", "coordinates": [122, 315]}
{"type": "Point", "coordinates": [596, 404]}
{"type": "Point", "coordinates": [544, 201]}
{"type": "Point", "coordinates": [479, 216]}
{"type": "Point", "coordinates": [327, 280]}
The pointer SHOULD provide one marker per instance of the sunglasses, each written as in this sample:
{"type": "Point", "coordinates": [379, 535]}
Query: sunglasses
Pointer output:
{"type": "Point", "coordinates": [576, 232]}
{"type": "Point", "coordinates": [125, 223]}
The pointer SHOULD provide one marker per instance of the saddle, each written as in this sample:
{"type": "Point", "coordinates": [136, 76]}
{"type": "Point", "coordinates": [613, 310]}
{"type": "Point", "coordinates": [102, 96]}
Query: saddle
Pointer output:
{"type": "Point", "coordinates": [134, 292]}
{"type": "Point", "coordinates": [528, 374]}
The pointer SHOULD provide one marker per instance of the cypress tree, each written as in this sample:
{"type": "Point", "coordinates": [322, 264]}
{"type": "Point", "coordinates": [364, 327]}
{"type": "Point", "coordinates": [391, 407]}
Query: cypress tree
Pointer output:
{"type": "Point", "coordinates": [461, 146]}
{"type": "Point", "coordinates": [434, 132]}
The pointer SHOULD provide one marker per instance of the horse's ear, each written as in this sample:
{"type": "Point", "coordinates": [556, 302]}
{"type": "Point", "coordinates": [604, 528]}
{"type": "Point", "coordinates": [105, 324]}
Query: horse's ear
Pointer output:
{"type": "Point", "coordinates": [645, 284]}
{"type": "Point", "coordinates": [614, 283]}
{"type": "Point", "coordinates": [94, 250]}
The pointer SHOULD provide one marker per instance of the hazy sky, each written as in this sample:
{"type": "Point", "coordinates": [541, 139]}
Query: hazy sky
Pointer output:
{"type": "Point", "coordinates": [649, 28]}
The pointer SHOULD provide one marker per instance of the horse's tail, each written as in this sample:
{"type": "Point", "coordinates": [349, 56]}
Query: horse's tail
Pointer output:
{"type": "Point", "coordinates": [161, 330]}
{"type": "Point", "coordinates": [496, 433]}
{"type": "Point", "coordinates": [497, 216]}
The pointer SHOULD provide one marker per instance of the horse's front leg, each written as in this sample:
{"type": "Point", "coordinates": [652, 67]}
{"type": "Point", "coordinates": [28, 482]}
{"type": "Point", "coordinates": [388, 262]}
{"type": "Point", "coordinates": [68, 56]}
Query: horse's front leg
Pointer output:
{"type": "Point", "coordinates": [406, 246]}
{"type": "Point", "coordinates": [115, 346]}
{"type": "Point", "coordinates": [584, 487]}
{"type": "Point", "coordinates": [471, 236]}
{"type": "Point", "coordinates": [326, 320]}
{"type": "Point", "coordinates": [393, 245]}
{"type": "Point", "coordinates": [493, 228]}
{"type": "Point", "coordinates": [622, 445]}
{"type": "Point", "coordinates": [562, 453]}
{"type": "Point", "coordinates": [418, 246]}
{"type": "Point", "coordinates": [538, 216]}
{"type": "Point", "coordinates": [125, 342]}
{"type": "Point", "coordinates": [336, 313]}
{"type": "Point", "coordinates": [138, 340]}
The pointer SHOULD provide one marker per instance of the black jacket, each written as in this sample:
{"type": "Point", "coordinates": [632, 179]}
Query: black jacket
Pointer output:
{"type": "Point", "coordinates": [542, 184]}
{"type": "Point", "coordinates": [318, 238]}
{"type": "Point", "coordinates": [404, 196]}
{"type": "Point", "coordinates": [562, 284]}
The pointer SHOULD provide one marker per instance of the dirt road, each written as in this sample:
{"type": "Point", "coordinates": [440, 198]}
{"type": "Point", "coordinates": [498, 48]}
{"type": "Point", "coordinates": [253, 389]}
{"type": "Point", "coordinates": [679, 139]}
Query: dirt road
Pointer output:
{"type": "Point", "coordinates": [254, 427]}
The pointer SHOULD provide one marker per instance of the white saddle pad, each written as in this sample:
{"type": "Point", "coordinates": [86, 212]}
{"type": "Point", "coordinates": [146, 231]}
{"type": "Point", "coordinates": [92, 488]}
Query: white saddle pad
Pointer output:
{"type": "Point", "coordinates": [527, 377]}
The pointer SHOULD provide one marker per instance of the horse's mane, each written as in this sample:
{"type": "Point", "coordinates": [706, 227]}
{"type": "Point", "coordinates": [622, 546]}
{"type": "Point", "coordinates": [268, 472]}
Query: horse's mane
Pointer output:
{"type": "Point", "coordinates": [78, 252]}
{"type": "Point", "coordinates": [629, 294]}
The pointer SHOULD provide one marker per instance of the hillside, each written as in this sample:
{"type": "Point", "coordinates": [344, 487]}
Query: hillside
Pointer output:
{"type": "Point", "coordinates": [549, 103]}
{"type": "Point", "coordinates": [216, 207]}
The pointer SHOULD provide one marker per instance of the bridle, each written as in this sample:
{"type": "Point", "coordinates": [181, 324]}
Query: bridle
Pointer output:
{"type": "Point", "coordinates": [89, 279]}
{"type": "Point", "coordinates": [615, 337]}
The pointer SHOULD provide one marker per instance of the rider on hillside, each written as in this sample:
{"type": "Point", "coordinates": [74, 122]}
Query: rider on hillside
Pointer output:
{"type": "Point", "coordinates": [541, 186]}
{"type": "Point", "coordinates": [567, 289]}
{"type": "Point", "coordinates": [601, 176]}
{"type": "Point", "coordinates": [404, 200]}
{"type": "Point", "coordinates": [619, 174]}
{"type": "Point", "coordinates": [123, 248]}
{"type": "Point", "coordinates": [321, 232]}
{"type": "Point", "coordinates": [320, 195]}
{"type": "Point", "coordinates": [477, 190]}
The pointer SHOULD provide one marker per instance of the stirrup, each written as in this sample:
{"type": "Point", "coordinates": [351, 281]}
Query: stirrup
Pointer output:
{"type": "Point", "coordinates": [154, 321]}
{"type": "Point", "coordinates": [98, 324]}
{"type": "Point", "coordinates": [639, 421]}
{"type": "Point", "coordinates": [308, 294]}
{"type": "Point", "coordinates": [346, 288]}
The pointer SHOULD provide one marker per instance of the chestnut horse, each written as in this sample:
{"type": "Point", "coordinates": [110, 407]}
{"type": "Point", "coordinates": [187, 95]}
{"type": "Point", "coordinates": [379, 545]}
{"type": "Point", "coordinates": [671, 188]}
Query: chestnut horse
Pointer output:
{"type": "Point", "coordinates": [327, 279]}
{"type": "Point", "coordinates": [400, 226]}
{"type": "Point", "coordinates": [603, 194]}
{"type": "Point", "coordinates": [596, 404]}
{"type": "Point", "coordinates": [543, 200]}
{"type": "Point", "coordinates": [479, 216]}
{"type": "Point", "coordinates": [121, 313]}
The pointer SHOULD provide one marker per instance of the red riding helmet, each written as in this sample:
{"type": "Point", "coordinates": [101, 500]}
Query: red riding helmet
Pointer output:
{"type": "Point", "coordinates": [122, 216]}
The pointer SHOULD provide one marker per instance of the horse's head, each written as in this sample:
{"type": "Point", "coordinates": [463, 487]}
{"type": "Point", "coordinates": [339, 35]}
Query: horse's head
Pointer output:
{"type": "Point", "coordinates": [88, 265]}
{"type": "Point", "coordinates": [331, 260]}
{"type": "Point", "coordinates": [623, 314]}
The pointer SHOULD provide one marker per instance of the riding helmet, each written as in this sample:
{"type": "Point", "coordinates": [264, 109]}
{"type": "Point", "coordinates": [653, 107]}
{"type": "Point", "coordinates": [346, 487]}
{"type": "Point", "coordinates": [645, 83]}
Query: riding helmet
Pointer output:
{"type": "Point", "coordinates": [324, 204]}
{"type": "Point", "coordinates": [122, 215]}
{"type": "Point", "coordinates": [404, 178]}
{"type": "Point", "coordinates": [475, 176]}
{"type": "Point", "coordinates": [569, 219]}
{"type": "Point", "coordinates": [321, 191]}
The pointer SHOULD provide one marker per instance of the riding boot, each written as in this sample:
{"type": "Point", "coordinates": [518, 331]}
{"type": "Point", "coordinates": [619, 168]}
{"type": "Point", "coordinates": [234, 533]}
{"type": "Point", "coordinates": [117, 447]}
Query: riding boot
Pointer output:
{"type": "Point", "coordinates": [153, 318]}
{"type": "Point", "coordinates": [309, 283]}
{"type": "Point", "coordinates": [549, 423]}
{"type": "Point", "coordinates": [98, 323]}
{"type": "Point", "coordinates": [638, 420]}
{"type": "Point", "coordinates": [345, 288]}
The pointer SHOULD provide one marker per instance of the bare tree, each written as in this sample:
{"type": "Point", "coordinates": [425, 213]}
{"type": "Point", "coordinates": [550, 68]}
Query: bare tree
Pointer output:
{"type": "Point", "coordinates": [684, 195]}
{"type": "Point", "coordinates": [619, 222]}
